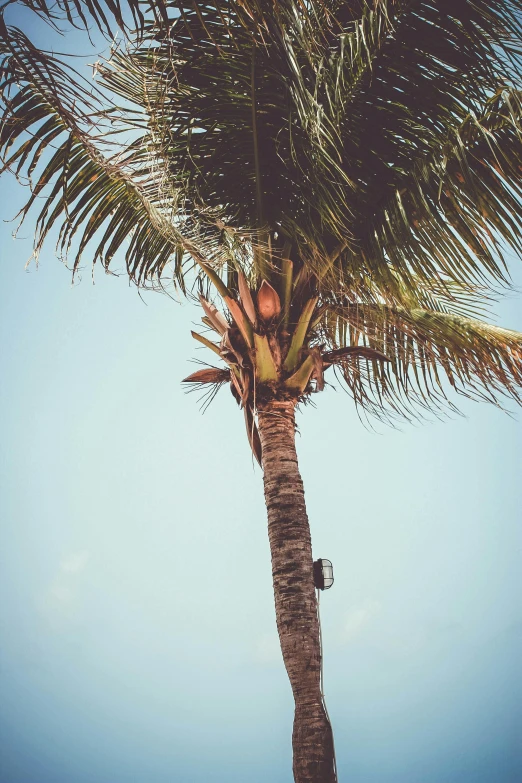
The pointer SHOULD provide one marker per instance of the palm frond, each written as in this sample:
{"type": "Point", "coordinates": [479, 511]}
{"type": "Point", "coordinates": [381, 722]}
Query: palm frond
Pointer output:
{"type": "Point", "coordinates": [430, 355]}
{"type": "Point", "coordinates": [456, 213]}
{"type": "Point", "coordinates": [113, 201]}
{"type": "Point", "coordinates": [129, 16]}
{"type": "Point", "coordinates": [391, 131]}
{"type": "Point", "coordinates": [242, 132]}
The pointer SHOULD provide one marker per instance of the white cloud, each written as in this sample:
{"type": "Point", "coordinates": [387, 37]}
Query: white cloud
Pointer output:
{"type": "Point", "coordinates": [61, 594]}
{"type": "Point", "coordinates": [358, 619]}
{"type": "Point", "coordinates": [58, 600]}
{"type": "Point", "coordinates": [267, 649]}
{"type": "Point", "coordinates": [74, 562]}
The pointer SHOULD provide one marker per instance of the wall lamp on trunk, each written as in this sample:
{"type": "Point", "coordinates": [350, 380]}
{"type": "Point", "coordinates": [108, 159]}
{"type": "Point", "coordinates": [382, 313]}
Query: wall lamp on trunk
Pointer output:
{"type": "Point", "coordinates": [323, 574]}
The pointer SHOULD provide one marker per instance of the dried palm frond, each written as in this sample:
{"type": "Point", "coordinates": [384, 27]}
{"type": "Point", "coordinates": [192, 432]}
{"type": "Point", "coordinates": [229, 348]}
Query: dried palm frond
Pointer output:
{"type": "Point", "coordinates": [208, 375]}
{"type": "Point", "coordinates": [209, 380]}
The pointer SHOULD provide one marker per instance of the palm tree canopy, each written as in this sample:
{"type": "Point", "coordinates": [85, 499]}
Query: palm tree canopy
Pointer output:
{"type": "Point", "coordinates": [374, 148]}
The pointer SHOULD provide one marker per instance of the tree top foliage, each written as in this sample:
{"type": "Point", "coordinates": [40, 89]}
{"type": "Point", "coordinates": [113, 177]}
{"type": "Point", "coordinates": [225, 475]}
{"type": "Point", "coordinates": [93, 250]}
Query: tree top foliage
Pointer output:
{"type": "Point", "coordinates": [376, 146]}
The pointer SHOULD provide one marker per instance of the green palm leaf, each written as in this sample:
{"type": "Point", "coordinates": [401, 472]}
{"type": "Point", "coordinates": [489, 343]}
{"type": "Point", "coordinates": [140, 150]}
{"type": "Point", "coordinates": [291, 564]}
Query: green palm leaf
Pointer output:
{"type": "Point", "coordinates": [430, 353]}
{"type": "Point", "coordinates": [107, 15]}
{"type": "Point", "coordinates": [109, 200]}
{"type": "Point", "coordinates": [355, 131]}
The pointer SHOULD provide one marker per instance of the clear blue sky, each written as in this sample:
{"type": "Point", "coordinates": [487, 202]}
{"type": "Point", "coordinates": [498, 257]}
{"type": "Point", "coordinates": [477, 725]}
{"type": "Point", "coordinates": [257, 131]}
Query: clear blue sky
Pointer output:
{"type": "Point", "coordinates": [136, 610]}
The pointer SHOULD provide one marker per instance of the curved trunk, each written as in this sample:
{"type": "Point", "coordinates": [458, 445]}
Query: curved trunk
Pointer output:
{"type": "Point", "coordinates": [294, 592]}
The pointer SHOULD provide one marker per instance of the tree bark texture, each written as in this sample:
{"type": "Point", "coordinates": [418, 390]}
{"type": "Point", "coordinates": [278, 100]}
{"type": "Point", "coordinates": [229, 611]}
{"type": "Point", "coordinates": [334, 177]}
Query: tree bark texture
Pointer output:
{"type": "Point", "coordinates": [294, 592]}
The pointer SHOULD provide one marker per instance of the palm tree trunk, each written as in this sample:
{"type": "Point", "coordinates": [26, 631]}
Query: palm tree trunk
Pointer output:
{"type": "Point", "coordinates": [295, 601]}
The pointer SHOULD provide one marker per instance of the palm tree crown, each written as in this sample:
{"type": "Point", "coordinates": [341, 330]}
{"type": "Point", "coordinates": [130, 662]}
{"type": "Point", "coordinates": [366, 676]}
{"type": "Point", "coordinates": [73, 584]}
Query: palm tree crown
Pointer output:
{"type": "Point", "coordinates": [363, 157]}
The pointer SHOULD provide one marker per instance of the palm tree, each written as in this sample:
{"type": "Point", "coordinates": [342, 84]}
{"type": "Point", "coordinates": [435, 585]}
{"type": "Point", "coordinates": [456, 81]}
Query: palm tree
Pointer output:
{"type": "Point", "coordinates": [342, 179]}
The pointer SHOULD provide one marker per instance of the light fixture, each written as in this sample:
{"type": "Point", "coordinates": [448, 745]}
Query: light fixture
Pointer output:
{"type": "Point", "coordinates": [323, 574]}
